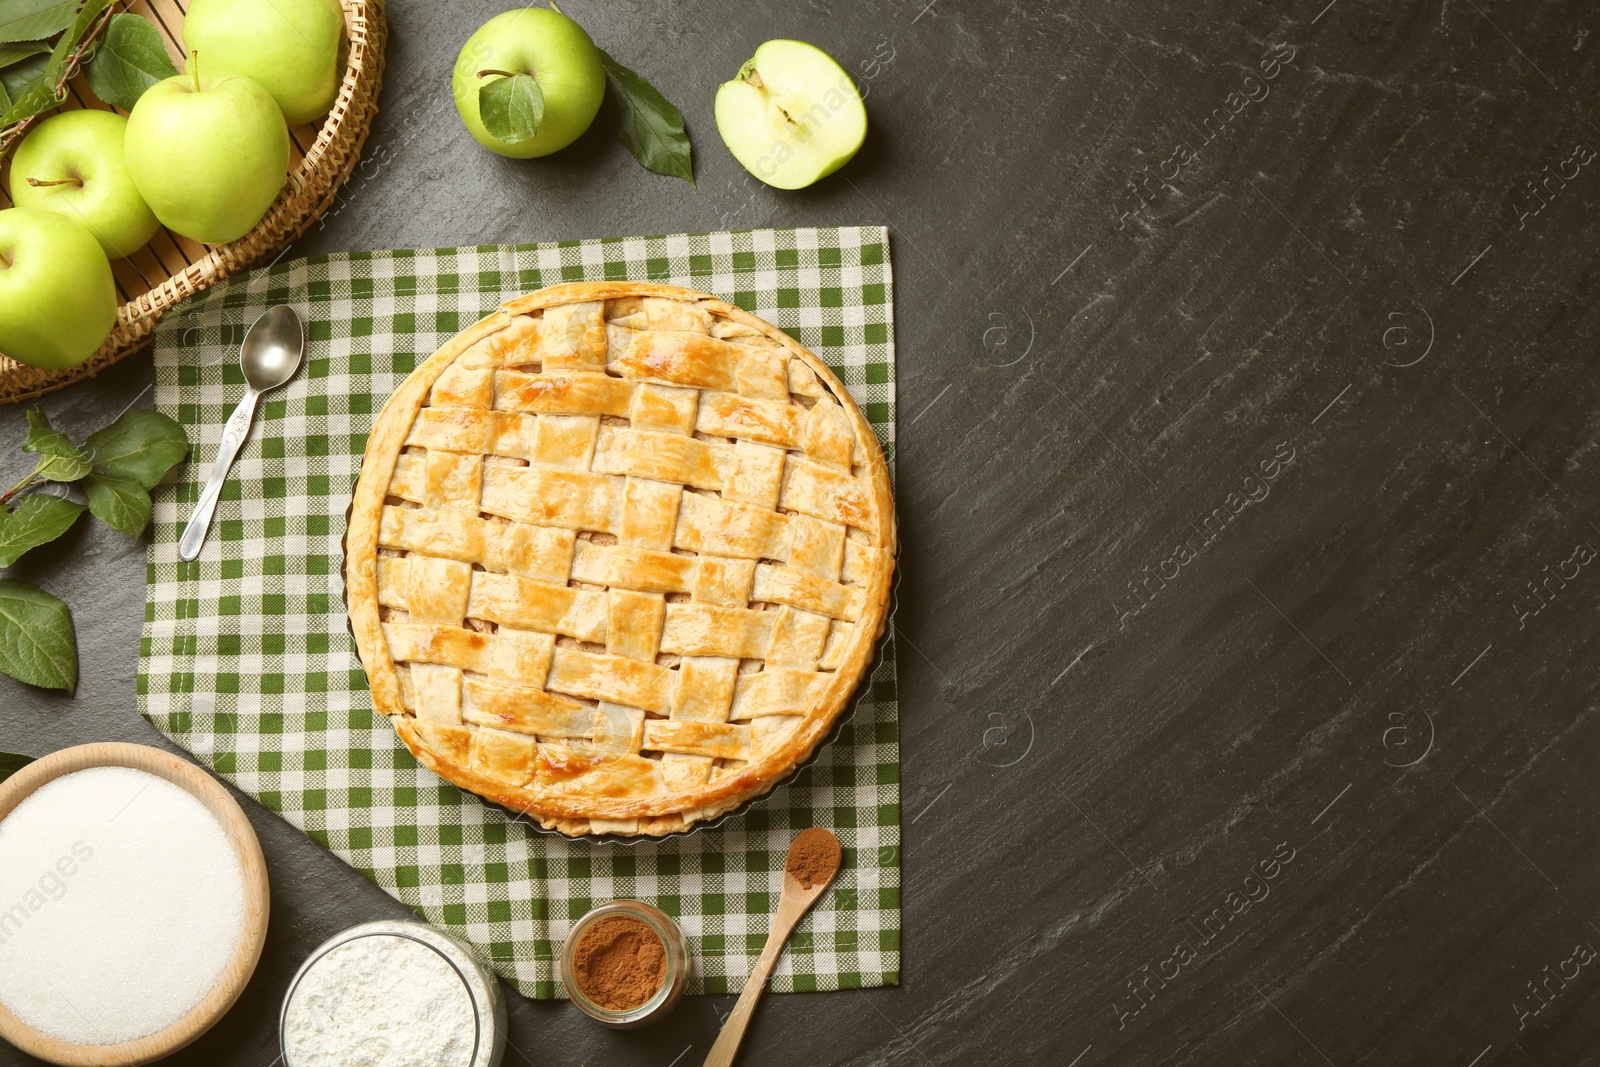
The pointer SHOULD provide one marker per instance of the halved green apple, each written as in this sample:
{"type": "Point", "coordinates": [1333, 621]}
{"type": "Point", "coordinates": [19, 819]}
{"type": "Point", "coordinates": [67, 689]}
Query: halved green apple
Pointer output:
{"type": "Point", "coordinates": [792, 116]}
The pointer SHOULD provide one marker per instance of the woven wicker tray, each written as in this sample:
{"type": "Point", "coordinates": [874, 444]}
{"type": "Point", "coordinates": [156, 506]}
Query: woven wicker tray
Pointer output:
{"type": "Point", "coordinates": [171, 268]}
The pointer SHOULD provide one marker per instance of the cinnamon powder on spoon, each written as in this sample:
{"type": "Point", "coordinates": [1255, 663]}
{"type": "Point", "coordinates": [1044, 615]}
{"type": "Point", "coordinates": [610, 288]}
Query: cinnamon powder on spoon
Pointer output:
{"type": "Point", "coordinates": [619, 963]}
{"type": "Point", "coordinates": [814, 857]}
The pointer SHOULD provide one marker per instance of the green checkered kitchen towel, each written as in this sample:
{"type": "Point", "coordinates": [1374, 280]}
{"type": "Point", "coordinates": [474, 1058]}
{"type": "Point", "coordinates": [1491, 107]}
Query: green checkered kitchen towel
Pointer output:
{"type": "Point", "coordinates": [247, 662]}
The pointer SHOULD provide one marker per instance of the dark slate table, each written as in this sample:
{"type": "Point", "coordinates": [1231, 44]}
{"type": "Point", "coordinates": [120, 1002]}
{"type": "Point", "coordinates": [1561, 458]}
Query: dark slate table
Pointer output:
{"type": "Point", "coordinates": [1247, 478]}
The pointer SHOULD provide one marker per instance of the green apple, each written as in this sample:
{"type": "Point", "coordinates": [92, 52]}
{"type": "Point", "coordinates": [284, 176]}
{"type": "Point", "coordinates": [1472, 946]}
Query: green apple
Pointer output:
{"type": "Point", "coordinates": [57, 299]}
{"type": "Point", "coordinates": [290, 47]}
{"type": "Point", "coordinates": [792, 116]}
{"type": "Point", "coordinates": [561, 59]}
{"type": "Point", "coordinates": [72, 164]}
{"type": "Point", "coordinates": [209, 153]}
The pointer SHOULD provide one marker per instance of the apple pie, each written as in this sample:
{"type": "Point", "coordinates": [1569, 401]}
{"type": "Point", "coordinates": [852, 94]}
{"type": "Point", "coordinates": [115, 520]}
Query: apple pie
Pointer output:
{"type": "Point", "coordinates": [618, 557]}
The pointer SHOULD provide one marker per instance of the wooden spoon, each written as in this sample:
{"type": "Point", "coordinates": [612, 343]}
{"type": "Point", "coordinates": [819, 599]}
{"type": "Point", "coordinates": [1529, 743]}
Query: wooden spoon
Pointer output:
{"type": "Point", "coordinates": [813, 861]}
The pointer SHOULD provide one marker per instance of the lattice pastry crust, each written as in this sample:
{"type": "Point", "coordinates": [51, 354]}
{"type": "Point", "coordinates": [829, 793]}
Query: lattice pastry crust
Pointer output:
{"type": "Point", "coordinates": [618, 557]}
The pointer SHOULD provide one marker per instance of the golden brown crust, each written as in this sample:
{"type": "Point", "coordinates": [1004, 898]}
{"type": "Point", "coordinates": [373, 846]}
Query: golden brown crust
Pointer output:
{"type": "Point", "coordinates": [581, 786]}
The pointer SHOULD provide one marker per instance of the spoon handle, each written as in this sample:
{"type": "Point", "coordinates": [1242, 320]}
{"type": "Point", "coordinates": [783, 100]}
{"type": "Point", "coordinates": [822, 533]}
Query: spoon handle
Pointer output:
{"type": "Point", "coordinates": [790, 909]}
{"type": "Point", "coordinates": [233, 435]}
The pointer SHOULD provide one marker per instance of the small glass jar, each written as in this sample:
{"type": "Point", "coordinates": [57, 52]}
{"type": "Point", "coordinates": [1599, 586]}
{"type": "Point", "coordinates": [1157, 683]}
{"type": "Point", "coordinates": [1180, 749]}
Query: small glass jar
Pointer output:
{"type": "Point", "coordinates": [482, 989]}
{"type": "Point", "coordinates": [678, 964]}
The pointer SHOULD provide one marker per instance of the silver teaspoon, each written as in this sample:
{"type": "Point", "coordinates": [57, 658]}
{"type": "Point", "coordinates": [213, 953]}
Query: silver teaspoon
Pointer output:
{"type": "Point", "coordinates": [270, 355]}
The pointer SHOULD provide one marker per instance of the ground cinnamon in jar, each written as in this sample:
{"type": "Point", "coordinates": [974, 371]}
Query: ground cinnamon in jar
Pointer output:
{"type": "Point", "coordinates": [814, 857]}
{"type": "Point", "coordinates": [619, 963]}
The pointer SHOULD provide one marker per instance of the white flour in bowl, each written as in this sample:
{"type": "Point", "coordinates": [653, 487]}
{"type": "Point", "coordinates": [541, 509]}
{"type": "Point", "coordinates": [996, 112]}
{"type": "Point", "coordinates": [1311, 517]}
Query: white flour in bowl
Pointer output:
{"type": "Point", "coordinates": [380, 1001]}
{"type": "Point", "coordinates": [121, 903]}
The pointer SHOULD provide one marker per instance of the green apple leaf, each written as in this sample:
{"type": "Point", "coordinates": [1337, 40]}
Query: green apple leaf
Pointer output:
{"type": "Point", "coordinates": [11, 763]}
{"type": "Point", "coordinates": [59, 460]}
{"type": "Point", "coordinates": [28, 20]}
{"type": "Point", "coordinates": [141, 447]}
{"type": "Point", "coordinates": [130, 60]}
{"type": "Point", "coordinates": [35, 97]}
{"type": "Point", "coordinates": [121, 503]}
{"type": "Point", "coordinates": [27, 89]}
{"type": "Point", "coordinates": [37, 642]}
{"type": "Point", "coordinates": [24, 72]}
{"type": "Point", "coordinates": [36, 519]}
{"type": "Point", "coordinates": [512, 108]}
{"type": "Point", "coordinates": [12, 51]}
{"type": "Point", "coordinates": [651, 127]}
{"type": "Point", "coordinates": [69, 41]}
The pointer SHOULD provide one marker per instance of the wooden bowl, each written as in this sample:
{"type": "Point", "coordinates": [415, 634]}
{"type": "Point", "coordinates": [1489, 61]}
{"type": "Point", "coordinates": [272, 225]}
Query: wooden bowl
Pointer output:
{"type": "Point", "coordinates": [253, 934]}
{"type": "Point", "coordinates": [170, 268]}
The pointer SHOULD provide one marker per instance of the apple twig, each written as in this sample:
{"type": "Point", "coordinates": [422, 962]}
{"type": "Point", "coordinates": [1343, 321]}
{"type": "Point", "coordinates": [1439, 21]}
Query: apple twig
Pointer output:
{"type": "Point", "coordinates": [15, 489]}
{"type": "Point", "coordinates": [14, 133]}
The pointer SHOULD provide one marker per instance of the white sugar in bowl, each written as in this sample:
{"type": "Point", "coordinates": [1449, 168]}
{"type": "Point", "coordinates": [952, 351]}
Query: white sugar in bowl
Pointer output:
{"type": "Point", "coordinates": [134, 897]}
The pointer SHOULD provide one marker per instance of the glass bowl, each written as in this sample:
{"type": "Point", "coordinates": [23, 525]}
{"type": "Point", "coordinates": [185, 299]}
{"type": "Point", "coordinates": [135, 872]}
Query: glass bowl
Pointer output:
{"type": "Point", "coordinates": [678, 965]}
{"type": "Point", "coordinates": [482, 988]}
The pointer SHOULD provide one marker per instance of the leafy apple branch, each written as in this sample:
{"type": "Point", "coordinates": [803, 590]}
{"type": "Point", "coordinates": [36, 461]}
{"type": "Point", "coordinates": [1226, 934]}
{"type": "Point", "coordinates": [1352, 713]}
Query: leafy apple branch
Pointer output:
{"type": "Point", "coordinates": [116, 467]}
{"type": "Point", "coordinates": [44, 44]}
{"type": "Point", "coordinates": [79, 37]}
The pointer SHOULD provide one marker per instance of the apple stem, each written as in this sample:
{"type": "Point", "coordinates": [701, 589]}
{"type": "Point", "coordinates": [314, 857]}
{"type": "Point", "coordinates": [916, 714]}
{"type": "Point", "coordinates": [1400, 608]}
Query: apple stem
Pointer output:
{"type": "Point", "coordinates": [15, 489]}
{"type": "Point", "coordinates": [502, 73]}
{"type": "Point", "coordinates": [37, 184]}
{"type": "Point", "coordinates": [5, 260]}
{"type": "Point", "coordinates": [195, 59]}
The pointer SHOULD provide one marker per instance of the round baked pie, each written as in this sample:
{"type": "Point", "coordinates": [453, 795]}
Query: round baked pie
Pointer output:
{"type": "Point", "coordinates": [618, 557]}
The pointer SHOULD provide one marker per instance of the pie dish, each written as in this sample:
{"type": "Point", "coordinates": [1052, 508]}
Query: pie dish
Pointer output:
{"type": "Point", "coordinates": [618, 557]}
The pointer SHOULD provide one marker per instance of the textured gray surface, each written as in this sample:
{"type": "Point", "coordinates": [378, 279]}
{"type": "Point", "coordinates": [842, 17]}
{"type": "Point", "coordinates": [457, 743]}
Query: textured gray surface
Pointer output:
{"type": "Point", "coordinates": [1350, 271]}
